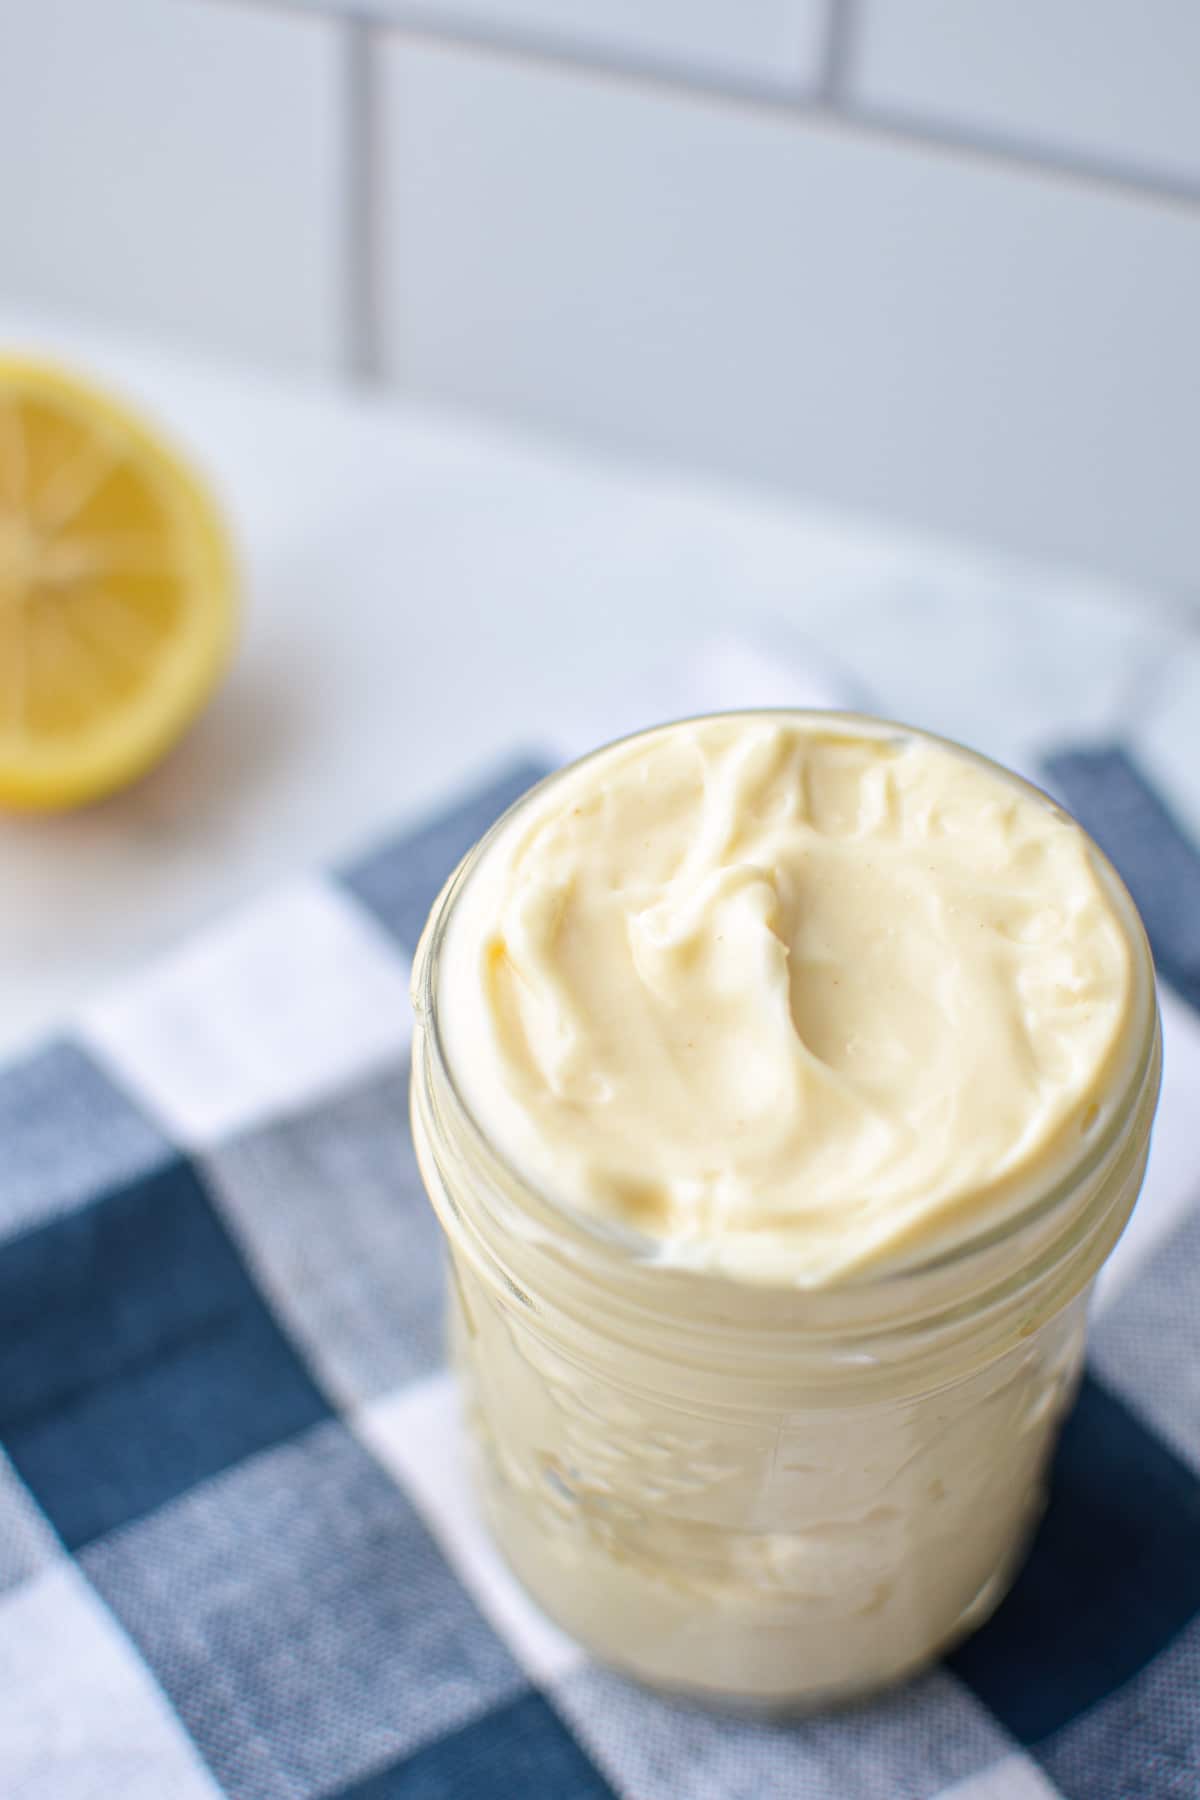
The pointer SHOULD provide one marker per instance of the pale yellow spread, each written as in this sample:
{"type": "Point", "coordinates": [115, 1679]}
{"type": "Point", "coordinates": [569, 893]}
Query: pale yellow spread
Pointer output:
{"type": "Point", "coordinates": [788, 996]}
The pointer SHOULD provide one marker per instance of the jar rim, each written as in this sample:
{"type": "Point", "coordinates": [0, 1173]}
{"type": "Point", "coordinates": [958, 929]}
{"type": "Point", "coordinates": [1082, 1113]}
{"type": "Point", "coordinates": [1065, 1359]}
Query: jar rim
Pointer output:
{"type": "Point", "coordinates": [1128, 1080]}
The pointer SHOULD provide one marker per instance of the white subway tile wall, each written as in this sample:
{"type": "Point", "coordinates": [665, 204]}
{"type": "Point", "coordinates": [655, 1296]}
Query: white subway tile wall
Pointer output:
{"type": "Point", "coordinates": [1107, 80]}
{"type": "Point", "coordinates": [875, 323]}
{"type": "Point", "coordinates": [939, 262]}
{"type": "Point", "coordinates": [771, 45]}
{"type": "Point", "coordinates": [179, 166]}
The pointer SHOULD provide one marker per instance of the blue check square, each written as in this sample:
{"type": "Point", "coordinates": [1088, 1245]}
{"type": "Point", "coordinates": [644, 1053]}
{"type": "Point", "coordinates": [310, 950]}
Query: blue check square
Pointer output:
{"type": "Point", "coordinates": [1113, 1577]}
{"type": "Point", "coordinates": [329, 1210]}
{"type": "Point", "coordinates": [522, 1747]}
{"type": "Point", "coordinates": [67, 1133]}
{"type": "Point", "coordinates": [400, 883]}
{"type": "Point", "coordinates": [302, 1620]}
{"type": "Point", "coordinates": [137, 1357]}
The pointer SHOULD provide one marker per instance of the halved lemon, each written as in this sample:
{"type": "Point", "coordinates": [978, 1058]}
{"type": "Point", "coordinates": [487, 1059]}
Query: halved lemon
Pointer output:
{"type": "Point", "coordinates": [117, 591]}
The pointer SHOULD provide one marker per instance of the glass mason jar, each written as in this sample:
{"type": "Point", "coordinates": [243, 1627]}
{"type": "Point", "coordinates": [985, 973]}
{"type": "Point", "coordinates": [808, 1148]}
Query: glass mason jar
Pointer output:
{"type": "Point", "coordinates": [759, 1493]}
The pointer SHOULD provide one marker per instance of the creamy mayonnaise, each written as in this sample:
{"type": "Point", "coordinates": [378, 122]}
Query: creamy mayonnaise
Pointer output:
{"type": "Point", "coordinates": [786, 996]}
{"type": "Point", "coordinates": [723, 1037]}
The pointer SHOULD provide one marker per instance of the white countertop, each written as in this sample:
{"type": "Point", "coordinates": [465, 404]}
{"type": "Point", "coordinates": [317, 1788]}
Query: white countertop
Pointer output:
{"type": "Point", "coordinates": [420, 587]}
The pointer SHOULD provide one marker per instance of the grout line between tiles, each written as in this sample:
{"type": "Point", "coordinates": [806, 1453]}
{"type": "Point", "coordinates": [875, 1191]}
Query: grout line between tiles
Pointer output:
{"type": "Point", "coordinates": [826, 104]}
{"type": "Point", "coordinates": [1001, 148]}
{"type": "Point", "coordinates": [841, 41]}
{"type": "Point", "coordinates": [589, 56]}
{"type": "Point", "coordinates": [360, 244]}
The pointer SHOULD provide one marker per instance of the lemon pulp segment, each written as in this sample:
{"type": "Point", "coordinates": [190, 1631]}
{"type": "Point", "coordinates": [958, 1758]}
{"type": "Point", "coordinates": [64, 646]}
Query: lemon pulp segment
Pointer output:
{"type": "Point", "coordinates": [116, 591]}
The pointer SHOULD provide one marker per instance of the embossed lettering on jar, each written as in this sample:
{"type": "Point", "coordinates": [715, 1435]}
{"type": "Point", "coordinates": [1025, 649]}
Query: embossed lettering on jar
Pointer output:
{"type": "Point", "coordinates": [761, 1437]}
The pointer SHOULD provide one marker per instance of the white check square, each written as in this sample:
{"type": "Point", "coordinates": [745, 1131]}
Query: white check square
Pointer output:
{"type": "Point", "coordinates": [1015, 1777]}
{"type": "Point", "coordinates": [27, 1540]}
{"type": "Point", "coordinates": [1173, 1176]}
{"type": "Point", "coordinates": [81, 1717]}
{"type": "Point", "coordinates": [292, 998]}
{"type": "Point", "coordinates": [416, 1433]}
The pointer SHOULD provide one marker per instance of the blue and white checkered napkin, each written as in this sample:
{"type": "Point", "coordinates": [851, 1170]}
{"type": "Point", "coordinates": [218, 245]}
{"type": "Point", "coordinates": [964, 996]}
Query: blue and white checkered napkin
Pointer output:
{"type": "Point", "coordinates": [236, 1553]}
